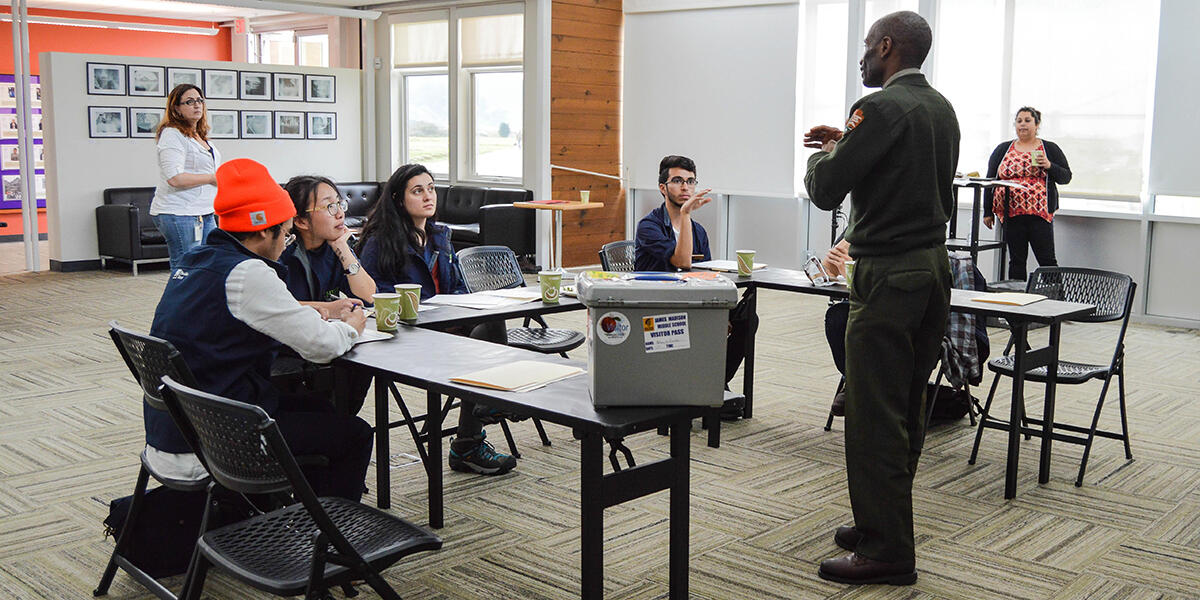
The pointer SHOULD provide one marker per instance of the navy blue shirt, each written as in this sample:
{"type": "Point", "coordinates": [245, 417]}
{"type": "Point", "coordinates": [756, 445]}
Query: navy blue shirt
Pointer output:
{"type": "Point", "coordinates": [655, 242]}
{"type": "Point", "coordinates": [419, 265]}
{"type": "Point", "coordinates": [324, 279]}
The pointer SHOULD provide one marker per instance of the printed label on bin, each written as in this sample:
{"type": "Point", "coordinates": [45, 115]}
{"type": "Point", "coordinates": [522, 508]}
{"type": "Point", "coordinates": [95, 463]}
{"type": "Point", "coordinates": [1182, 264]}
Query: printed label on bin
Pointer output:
{"type": "Point", "coordinates": [612, 328]}
{"type": "Point", "coordinates": [666, 332]}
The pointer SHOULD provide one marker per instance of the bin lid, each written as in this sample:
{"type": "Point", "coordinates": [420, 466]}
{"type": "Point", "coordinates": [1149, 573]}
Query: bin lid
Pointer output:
{"type": "Point", "coordinates": [703, 289]}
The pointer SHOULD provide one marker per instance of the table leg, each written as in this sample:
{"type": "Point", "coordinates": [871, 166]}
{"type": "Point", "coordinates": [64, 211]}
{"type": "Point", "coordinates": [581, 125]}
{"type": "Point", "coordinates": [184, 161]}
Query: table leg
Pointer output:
{"type": "Point", "coordinates": [1016, 412]}
{"type": "Point", "coordinates": [383, 462]}
{"type": "Point", "coordinates": [1048, 411]}
{"type": "Point", "coordinates": [433, 468]}
{"type": "Point", "coordinates": [556, 239]}
{"type": "Point", "coordinates": [976, 202]}
{"type": "Point", "coordinates": [591, 533]}
{"type": "Point", "coordinates": [679, 510]}
{"type": "Point", "coordinates": [748, 360]}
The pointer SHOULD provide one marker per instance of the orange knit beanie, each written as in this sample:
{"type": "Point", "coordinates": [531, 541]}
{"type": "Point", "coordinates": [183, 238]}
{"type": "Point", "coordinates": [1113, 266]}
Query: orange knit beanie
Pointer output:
{"type": "Point", "coordinates": [248, 199]}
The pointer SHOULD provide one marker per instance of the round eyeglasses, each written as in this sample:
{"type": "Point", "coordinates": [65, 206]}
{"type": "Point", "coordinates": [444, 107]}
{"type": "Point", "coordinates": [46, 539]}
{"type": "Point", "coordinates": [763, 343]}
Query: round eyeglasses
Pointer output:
{"type": "Point", "coordinates": [333, 208]}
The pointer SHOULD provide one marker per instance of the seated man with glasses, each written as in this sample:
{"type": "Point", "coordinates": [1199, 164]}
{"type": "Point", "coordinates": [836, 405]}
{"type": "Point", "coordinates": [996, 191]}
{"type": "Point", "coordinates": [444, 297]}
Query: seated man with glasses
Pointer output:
{"type": "Point", "coordinates": [669, 240]}
{"type": "Point", "coordinates": [227, 310]}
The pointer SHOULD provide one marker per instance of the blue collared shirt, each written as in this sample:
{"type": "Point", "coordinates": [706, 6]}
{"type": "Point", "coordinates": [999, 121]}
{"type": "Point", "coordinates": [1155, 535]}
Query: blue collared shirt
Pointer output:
{"type": "Point", "coordinates": [655, 242]}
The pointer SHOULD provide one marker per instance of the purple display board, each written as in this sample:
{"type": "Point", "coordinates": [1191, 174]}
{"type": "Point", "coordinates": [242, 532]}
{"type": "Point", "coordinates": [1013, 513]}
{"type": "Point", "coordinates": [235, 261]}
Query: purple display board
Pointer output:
{"type": "Point", "coordinates": [10, 170]}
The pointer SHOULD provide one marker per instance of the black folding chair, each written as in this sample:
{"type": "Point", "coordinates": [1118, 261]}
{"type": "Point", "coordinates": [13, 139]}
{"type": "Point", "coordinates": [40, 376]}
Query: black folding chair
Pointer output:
{"type": "Point", "coordinates": [303, 548]}
{"type": "Point", "coordinates": [149, 359]}
{"type": "Point", "coordinates": [1112, 293]}
{"type": "Point", "coordinates": [496, 268]}
{"type": "Point", "coordinates": [617, 256]}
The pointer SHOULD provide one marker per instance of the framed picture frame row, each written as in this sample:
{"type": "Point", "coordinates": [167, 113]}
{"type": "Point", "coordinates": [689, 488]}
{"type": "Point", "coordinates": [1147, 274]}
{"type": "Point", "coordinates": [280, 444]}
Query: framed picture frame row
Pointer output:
{"type": "Point", "coordinates": [141, 122]}
{"type": "Point", "coordinates": [110, 79]}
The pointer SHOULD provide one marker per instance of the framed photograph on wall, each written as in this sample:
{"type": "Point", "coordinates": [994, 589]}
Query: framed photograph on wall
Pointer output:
{"type": "Point", "coordinates": [107, 122]}
{"type": "Point", "coordinates": [289, 87]}
{"type": "Point", "coordinates": [39, 162]}
{"type": "Point", "coordinates": [143, 121]}
{"type": "Point", "coordinates": [255, 86]}
{"type": "Point", "coordinates": [319, 88]}
{"type": "Point", "coordinates": [10, 157]}
{"type": "Point", "coordinates": [35, 94]}
{"type": "Point", "coordinates": [322, 126]}
{"type": "Point", "coordinates": [37, 126]}
{"type": "Point", "coordinates": [220, 85]}
{"type": "Point", "coordinates": [289, 125]}
{"type": "Point", "coordinates": [223, 124]}
{"type": "Point", "coordinates": [9, 127]}
{"type": "Point", "coordinates": [8, 94]}
{"type": "Point", "coordinates": [256, 124]}
{"type": "Point", "coordinates": [147, 81]}
{"type": "Point", "coordinates": [39, 186]}
{"type": "Point", "coordinates": [106, 79]}
{"type": "Point", "coordinates": [12, 187]}
{"type": "Point", "coordinates": [177, 75]}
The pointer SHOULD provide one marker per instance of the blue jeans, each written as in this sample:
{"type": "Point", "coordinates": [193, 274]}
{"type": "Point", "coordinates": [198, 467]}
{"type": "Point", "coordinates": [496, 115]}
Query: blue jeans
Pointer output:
{"type": "Point", "coordinates": [180, 231]}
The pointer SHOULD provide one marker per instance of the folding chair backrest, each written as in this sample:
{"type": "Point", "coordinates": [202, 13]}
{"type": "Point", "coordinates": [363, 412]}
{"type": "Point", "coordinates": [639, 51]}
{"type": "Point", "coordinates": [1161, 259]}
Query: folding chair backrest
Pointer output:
{"type": "Point", "coordinates": [237, 441]}
{"type": "Point", "coordinates": [490, 268]}
{"type": "Point", "coordinates": [617, 256]}
{"type": "Point", "coordinates": [149, 359]}
{"type": "Point", "coordinates": [1112, 293]}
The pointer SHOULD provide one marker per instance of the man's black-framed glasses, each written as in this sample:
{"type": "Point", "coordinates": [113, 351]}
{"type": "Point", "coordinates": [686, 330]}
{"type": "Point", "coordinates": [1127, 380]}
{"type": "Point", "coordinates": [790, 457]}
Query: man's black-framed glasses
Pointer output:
{"type": "Point", "coordinates": [677, 180]}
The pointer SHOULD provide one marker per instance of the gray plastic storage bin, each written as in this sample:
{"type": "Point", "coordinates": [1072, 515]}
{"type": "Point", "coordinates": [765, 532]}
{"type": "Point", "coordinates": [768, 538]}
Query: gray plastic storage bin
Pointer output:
{"type": "Point", "coordinates": [656, 339]}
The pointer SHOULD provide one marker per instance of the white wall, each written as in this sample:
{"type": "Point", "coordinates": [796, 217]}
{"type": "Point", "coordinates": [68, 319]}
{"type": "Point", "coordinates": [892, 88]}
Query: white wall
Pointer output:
{"type": "Point", "coordinates": [78, 169]}
{"type": "Point", "coordinates": [717, 85]}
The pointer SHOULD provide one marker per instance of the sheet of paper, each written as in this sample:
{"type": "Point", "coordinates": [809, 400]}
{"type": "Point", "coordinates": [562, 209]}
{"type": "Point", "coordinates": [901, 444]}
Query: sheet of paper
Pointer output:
{"type": "Point", "coordinates": [478, 300]}
{"type": "Point", "coordinates": [527, 294]}
{"type": "Point", "coordinates": [520, 376]}
{"type": "Point", "coordinates": [371, 335]}
{"type": "Point", "coordinates": [727, 266]}
{"type": "Point", "coordinates": [1010, 298]}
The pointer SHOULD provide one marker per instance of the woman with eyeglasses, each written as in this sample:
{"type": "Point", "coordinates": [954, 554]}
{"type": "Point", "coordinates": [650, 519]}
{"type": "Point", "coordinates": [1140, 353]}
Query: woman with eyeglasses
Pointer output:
{"type": "Point", "coordinates": [187, 173]}
{"type": "Point", "coordinates": [402, 244]}
{"type": "Point", "coordinates": [323, 271]}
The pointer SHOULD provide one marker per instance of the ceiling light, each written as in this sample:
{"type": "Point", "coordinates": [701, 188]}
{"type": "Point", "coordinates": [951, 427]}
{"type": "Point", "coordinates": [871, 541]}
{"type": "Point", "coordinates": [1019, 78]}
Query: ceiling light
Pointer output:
{"type": "Point", "coordinates": [40, 20]}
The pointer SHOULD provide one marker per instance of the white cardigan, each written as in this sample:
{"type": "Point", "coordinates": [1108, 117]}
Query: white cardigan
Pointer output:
{"type": "Point", "coordinates": [178, 154]}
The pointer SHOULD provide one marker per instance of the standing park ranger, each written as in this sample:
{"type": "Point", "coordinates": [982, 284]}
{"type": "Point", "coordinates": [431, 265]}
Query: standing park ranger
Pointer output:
{"type": "Point", "coordinates": [896, 157]}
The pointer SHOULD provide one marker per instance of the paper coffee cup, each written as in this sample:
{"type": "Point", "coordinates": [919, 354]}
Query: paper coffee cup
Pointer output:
{"type": "Point", "coordinates": [745, 262]}
{"type": "Point", "coordinates": [410, 299]}
{"type": "Point", "coordinates": [1033, 157]}
{"type": "Point", "coordinates": [387, 312]}
{"type": "Point", "coordinates": [849, 272]}
{"type": "Point", "coordinates": [583, 195]}
{"type": "Point", "coordinates": [550, 281]}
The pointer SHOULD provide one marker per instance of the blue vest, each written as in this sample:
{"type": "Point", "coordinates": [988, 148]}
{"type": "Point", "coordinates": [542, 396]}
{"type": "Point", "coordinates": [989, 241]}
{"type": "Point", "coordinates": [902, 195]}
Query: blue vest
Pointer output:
{"type": "Point", "coordinates": [227, 357]}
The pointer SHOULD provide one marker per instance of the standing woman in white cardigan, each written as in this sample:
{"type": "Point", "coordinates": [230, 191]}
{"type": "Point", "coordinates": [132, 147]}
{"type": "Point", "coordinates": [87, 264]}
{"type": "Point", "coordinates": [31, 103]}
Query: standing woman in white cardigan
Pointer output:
{"type": "Point", "coordinates": [187, 173]}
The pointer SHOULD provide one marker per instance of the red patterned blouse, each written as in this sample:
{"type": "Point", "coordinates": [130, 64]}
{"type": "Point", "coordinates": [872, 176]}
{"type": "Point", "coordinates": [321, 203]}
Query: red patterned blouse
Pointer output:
{"type": "Point", "coordinates": [1017, 166]}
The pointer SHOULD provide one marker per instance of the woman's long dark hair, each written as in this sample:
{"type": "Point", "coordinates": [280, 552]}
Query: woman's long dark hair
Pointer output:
{"type": "Point", "coordinates": [391, 225]}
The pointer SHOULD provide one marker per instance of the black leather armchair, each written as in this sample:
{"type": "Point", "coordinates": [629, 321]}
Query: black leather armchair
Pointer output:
{"type": "Point", "coordinates": [361, 197]}
{"type": "Point", "coordinates": [486, 217]}
{"type": "Point", "coordinates": [125, 230]}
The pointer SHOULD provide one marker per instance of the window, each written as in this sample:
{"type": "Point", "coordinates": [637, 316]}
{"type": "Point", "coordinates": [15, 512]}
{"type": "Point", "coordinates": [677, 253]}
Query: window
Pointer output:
{"type": "Point", "coordinates": [459, 99]}
{"type": "Point", "coordinates": [971, 80]}
{"type": "Point", "coordinates": [312, 49]}
{"type": "Point", "coordinates": [277, 48]}
{"type": "Point", "coordinates": [822, 82]}
{"type": "Point", "coordinates": [306, 48]}
{"type": "Point", "coordinates": [1092, 95]}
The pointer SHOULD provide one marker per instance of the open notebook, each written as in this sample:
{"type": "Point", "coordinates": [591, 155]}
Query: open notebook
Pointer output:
{"type": "Point", "coordinates": [520, 376]}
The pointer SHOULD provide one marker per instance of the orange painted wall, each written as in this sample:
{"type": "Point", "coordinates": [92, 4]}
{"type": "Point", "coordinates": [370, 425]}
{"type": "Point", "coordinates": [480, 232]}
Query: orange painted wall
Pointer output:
{"type": "Point", "coordinates": [88, 40]}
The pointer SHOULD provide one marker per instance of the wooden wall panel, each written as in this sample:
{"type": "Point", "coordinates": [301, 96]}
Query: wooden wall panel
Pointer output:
{"type": "Point", "coordinates": [585, 121]}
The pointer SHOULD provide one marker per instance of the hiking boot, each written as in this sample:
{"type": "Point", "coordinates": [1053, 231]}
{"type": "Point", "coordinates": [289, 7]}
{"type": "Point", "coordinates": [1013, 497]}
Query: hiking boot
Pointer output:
{"type": "Point", "coordinates": [476, 455]}
{"type": "Point", "coordinates": [491, 416]}
{"type": "Point", "coordinates": [731, 410]}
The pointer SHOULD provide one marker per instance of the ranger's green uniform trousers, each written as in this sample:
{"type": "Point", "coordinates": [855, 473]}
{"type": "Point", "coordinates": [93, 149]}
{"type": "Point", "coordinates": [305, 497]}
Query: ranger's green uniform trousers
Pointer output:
{"type": "Point", "coordinates": [899, 305]}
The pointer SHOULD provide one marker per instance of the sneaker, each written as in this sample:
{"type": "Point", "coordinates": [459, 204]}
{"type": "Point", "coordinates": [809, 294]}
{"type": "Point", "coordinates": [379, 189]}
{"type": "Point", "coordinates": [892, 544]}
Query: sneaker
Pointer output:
{"type": "Point", "coordinates": [476, 455]}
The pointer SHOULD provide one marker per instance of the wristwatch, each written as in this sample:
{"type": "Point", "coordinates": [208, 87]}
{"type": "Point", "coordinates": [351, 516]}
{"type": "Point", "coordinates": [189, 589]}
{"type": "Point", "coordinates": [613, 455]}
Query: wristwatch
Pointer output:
{"type": "Point", "coordinates": [353, 269]}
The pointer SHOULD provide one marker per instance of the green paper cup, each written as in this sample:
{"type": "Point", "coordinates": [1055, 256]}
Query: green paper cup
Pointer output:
{"type": "Point", "coordinates": [849, 272]}
{"type": "Point", "coordinates": [583, 195]}
{"type": "Point", "coordinates": [745, 262]}
{"type": "Point", "coordinates": [550, 282]}
{"type": "Point", "coordinates": [410, 299]}
{"type": "Point", "coordinates": [387, 312]}
{"type": "Point", "coordinates": [1033, 157]}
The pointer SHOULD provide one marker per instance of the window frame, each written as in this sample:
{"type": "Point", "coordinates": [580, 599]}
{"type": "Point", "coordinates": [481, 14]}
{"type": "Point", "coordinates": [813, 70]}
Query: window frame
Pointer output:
{"type": "Point", "coordinates": [469, 73]}
{"type": "Point", "coordinates": [400, 109]}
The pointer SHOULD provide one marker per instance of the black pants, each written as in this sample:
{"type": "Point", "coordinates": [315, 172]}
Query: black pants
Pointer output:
{"type": "Point", "coordinates": [311, 426]}
{"type": "Point", "coordinates": [743, 323]}
{"type": "Point", "coordinates": [835, 332]}
{"type": "Point", "coordinates": [1023, 231]}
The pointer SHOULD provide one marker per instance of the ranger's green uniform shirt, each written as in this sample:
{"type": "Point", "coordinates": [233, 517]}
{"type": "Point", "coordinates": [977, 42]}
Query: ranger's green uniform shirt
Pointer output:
{"type": "Point", "coordinates": [898, 154]}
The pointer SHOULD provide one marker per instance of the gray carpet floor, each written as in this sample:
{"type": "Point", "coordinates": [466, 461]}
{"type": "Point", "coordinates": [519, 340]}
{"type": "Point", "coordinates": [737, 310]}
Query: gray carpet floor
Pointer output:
{"type": "Point", "coordinates": [763, 506]}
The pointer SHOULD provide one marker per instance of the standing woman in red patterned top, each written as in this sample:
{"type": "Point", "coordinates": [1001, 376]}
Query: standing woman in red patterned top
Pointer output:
{"type": "Point", "coordinates": [1040, 166]}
